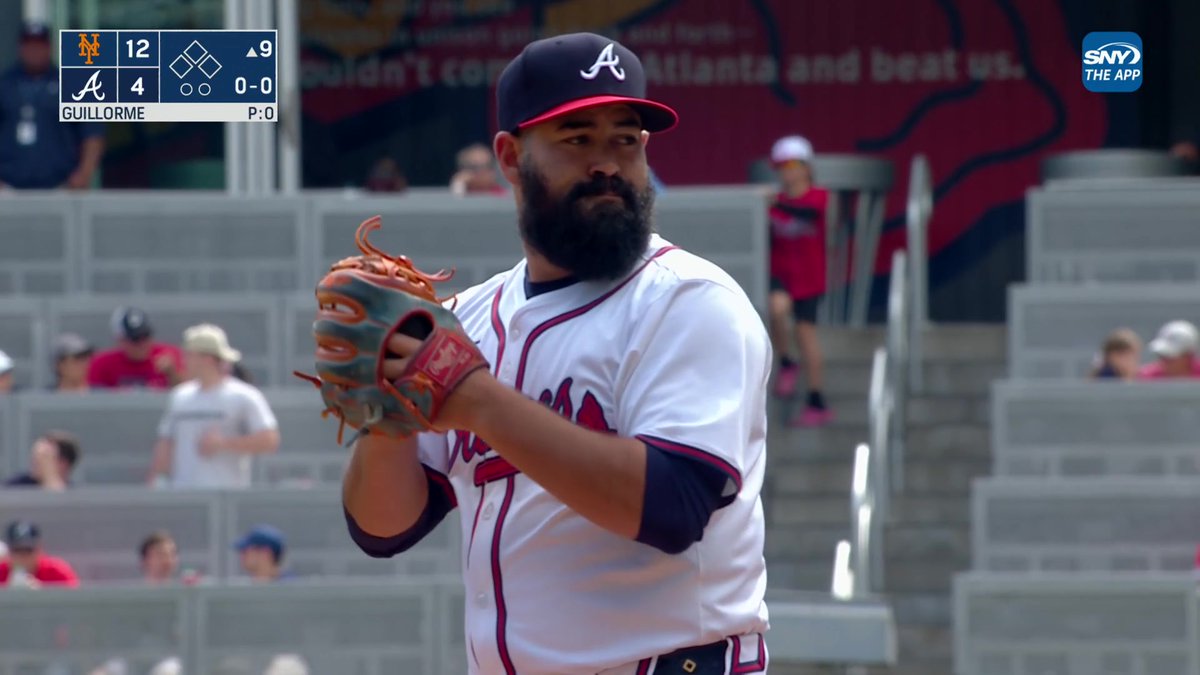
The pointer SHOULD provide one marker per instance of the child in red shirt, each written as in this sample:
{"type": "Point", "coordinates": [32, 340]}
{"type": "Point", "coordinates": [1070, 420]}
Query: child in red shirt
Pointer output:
{"type": "Point", "coordinates": [797, 221]}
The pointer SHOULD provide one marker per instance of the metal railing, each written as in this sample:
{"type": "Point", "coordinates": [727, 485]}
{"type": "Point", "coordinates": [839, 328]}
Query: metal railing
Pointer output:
{"type": "Point", "coordinates": [859, 563]}
{"type": "Point", "coordinates": [919, 211]}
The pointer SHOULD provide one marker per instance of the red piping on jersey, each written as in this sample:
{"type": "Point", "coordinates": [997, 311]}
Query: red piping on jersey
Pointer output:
{"type": "Point", "coordinates": [492, 469]}
{"type": "Point", "coordinates": [694, 453]}
{"type": "Point", "coordinates": [643, 667]}
{"type": "Point", "coordinates": [579, 311]}
{"type": "Point", "coordinates": [498, 327]}
{"type": "Point", "coordinates": [498, 582]}
{"type": "Point", "coordinates": [757, 666]}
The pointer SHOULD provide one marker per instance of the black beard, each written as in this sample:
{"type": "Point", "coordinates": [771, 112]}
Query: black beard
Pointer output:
{"type": "Point", "coordinates": [601, 243]}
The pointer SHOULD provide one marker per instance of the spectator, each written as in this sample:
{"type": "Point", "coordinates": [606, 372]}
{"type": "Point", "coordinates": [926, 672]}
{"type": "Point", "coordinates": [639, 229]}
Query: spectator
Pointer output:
{"type": "Point", "coordinates": [72, 356]}
{"type": "Point", "coordinates": [36, 150]}
{"type": "Point", "coordinates": [386, 176]}
{"type": "Point", "coordinates": [160, 558]}
{"type": "Point", "coordinates": [51, 460]}
{"type": "Point", "coordinates": [7, 366]}
{"type": "Point", "coordinates": [262, 550]}
{"type": "Point", "coordinates": [26, 564]}
{"type": "Point", "coordinates": [1120, 357]}
{"type": "Point", "coordinates": [214, 423]}
{"type": "Point", "coordinates": [1175, 348]}
{"type": "Point", "coordinates": [137, 360]}
{"type": "Point", "coordinates": [477, 172]}
{"type": "Point", "coordinates": [797, 221]}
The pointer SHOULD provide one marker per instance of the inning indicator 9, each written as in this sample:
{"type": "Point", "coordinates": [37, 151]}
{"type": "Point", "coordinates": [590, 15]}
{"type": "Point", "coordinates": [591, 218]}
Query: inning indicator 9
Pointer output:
{"type": "Point", "coordinates": [168, 75]}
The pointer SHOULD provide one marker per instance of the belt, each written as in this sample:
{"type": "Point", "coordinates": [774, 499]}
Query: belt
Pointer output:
{"type": "Point", "coordinates": [703, 660]}
{"type": "Point", "coordinates": [710, 659]}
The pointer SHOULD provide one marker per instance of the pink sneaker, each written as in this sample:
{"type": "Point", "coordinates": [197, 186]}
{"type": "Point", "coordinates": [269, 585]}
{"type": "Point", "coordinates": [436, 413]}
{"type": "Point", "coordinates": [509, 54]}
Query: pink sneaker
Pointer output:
{"type": "Point", "coordinates": [811, 417]}
{"type": "Point", "coordinates": [785, 382]}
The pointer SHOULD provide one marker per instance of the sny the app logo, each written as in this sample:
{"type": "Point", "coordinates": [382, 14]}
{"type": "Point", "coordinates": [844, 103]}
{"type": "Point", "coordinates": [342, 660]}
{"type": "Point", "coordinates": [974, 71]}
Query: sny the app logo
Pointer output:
{"type": "Point", "coordinates": [89, 50]}
{"type": "Point", "coordinates": [1112, 62]}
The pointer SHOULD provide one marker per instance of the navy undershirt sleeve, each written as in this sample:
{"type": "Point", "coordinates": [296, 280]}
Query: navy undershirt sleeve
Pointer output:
{"type": "Point", "coordinates": [440, 503]}
{"type": "Point", "coordinates": [681, 495]}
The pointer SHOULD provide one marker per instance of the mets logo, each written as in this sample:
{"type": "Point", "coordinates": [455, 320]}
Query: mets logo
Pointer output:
{"type": "Point", "coordinates": [89, 50]}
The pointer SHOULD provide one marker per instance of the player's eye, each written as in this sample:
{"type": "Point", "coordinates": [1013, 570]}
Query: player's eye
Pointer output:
{"type": "Point", "coordinates": [577, 140]}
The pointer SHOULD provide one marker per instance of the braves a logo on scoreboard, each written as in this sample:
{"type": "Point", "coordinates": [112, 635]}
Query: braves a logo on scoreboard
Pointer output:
{"type": "Point", "coordinates": [168, 75]}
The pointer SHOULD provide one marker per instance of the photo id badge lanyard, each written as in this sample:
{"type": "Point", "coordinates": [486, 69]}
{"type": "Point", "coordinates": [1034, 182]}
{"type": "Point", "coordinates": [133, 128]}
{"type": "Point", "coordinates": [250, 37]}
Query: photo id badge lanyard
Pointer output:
{"type": "Point", "coordinates": [26, 126]}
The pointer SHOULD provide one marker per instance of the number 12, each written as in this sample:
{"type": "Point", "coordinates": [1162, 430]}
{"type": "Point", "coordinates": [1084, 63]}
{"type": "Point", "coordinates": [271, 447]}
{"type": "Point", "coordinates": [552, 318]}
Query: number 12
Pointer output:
{"type": "Point", "coordinates": [143, 49]}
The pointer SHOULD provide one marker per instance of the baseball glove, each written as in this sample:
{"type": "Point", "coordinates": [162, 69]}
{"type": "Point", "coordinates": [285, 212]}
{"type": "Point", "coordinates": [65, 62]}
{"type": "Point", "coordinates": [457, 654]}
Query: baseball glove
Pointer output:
{"type": "Point", "coordinates": [361, 302]}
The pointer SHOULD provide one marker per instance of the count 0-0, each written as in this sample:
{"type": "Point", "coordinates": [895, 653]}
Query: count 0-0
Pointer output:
{"type": "Point", "coordinates": [265, 85]}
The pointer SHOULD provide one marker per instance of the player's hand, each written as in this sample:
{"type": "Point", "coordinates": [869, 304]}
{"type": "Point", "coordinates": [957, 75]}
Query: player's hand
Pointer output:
{"type": "Point", "coordinates": [211, 443]}
{"type": "Point", "coordinates": [457, 411]}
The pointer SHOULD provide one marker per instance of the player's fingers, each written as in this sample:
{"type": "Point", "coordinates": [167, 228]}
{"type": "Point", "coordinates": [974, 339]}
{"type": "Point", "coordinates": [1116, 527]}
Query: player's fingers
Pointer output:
{"type": "Point", "coordinates": [394, 368]}
{"type": "Point", "coordinates": [403, 345]}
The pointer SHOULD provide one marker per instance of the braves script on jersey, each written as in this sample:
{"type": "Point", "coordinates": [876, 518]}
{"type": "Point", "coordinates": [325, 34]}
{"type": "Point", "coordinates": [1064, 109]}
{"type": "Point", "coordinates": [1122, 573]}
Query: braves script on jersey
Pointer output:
{"type": "Point", "coordinates": [674, 354]}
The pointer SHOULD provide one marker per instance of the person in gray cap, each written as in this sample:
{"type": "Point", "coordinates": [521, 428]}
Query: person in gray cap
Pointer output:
{"type": "Point", "coordinates": [72, 356]}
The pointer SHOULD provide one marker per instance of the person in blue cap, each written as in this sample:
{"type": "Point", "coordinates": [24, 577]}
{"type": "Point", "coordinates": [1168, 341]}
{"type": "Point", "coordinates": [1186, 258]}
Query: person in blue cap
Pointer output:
{"type": "Point", "coordinates": [37, 151]}
{"type": "Point", "coordinates": [262, 551]}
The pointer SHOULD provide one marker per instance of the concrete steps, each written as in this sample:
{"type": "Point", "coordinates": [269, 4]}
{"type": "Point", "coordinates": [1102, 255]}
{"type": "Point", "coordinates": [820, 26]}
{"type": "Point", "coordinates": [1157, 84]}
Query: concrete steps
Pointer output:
{"type": "Point", "coordinates": [928, 537]}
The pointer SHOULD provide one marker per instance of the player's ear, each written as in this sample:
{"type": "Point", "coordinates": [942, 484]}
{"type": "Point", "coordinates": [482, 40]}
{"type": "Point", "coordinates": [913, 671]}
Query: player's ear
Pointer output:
{"type": "Point", "coordinates": [645, 138]}
{"type": "Point", "coordinates": [507, 148]}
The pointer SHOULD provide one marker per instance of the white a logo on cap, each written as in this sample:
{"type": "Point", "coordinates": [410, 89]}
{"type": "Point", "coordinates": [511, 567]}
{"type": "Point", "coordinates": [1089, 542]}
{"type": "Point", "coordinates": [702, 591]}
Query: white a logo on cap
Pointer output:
{"type": "Point", "coordinates": [607, 59]}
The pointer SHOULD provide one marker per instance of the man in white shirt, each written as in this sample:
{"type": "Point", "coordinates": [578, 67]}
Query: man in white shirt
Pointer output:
{"type": "Point", "coordinates": [214, 423]}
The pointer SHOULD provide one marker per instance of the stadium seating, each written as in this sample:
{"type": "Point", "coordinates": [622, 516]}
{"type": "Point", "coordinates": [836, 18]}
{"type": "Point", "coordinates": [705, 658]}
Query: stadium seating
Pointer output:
{"type": "Point", "coordinates": [335, 626]}
{"type": "Point", "coordinates": [1055, 330]}
{"type": "Point", "coordinates": [1131, 230]}
{"type": "Point", "coordinates": [1052, 428]}
{"type": "Point", "coordinates": [1076, 624]}
{"type": "Point", "coordinates": [98, 531]}
{"type": "Point", "coordinates": [161, 242]}
{"type": "Point", "coordinates": [1094, 524]}
{"type": "Point", "coordinates": [119, 453]}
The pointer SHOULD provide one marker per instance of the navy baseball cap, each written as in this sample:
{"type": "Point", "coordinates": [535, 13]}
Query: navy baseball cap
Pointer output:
{"type": "Point", "coordinates": [131, 323]}
{"type": "Point", "coordinates": [22, 534]}
{"type": "Point", "coordinates": [263, 536]}
{"type": "Point", "coordinates": [562, 74]}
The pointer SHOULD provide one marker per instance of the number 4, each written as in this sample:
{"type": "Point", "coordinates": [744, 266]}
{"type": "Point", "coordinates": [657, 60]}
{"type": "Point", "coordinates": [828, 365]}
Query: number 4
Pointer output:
{"type": "Point", "coordinates": [138, 88]}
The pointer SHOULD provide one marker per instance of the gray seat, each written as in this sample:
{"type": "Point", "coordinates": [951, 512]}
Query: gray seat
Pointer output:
{"type": "Point", "coordinates": [1055, 331]}
{"type": "Point", "coordinates": [25, 338]}
{"type": "Point", "coordinates": [77, 631]}
{"type": "Point", "coordinates": [98, 531]}
{"type": "Point", "coordinates": [1075, 624]}
{"type": "Point", "coordinates": [1052, 428]}
{"type": "Point", "coordinates": [318, 541]}
{"type": "Point", "coordinates": [351, 628]}
{"type": "Point", "coordinates": [41, 244]}
{"type": "Point", "coordinates": [1084, 524]}
{"type": "Point", "coordinates": [117, 431]}
{"type": "Point", "coordinates": [252, 322]}
{"type": "Point", "coordinates": [1112, 163]}
{"type": "Point", "coordinates": [187, 242]}
{"type": "Point", "coordinates": [1107, 231]}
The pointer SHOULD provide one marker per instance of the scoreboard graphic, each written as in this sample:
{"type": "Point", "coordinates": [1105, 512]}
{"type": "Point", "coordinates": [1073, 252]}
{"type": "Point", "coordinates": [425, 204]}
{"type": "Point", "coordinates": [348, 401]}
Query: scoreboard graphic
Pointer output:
{"type": "Point", "coordinates": [168, 76]}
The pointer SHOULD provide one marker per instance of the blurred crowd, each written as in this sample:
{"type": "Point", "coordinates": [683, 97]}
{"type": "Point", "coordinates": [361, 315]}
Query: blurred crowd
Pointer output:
{"type": "Point", "coordinates": [1174, 353]}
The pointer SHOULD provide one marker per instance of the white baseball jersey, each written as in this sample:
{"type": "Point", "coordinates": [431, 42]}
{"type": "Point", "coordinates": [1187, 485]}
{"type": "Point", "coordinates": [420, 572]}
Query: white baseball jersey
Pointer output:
{"type": "Point", "coordinates": [675, 354]}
